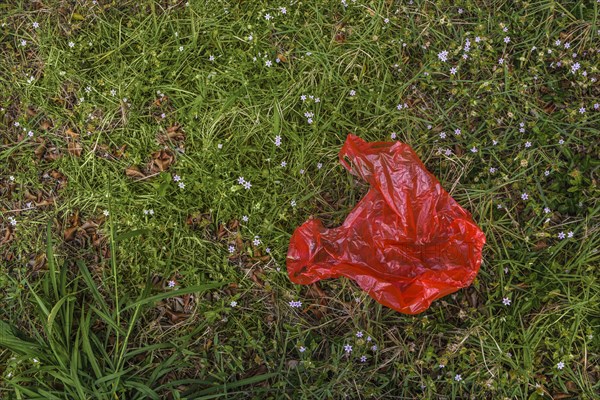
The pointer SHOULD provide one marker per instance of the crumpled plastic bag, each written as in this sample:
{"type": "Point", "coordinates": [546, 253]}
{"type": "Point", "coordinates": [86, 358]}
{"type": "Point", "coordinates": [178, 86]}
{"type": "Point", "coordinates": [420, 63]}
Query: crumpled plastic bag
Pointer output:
{"type": "Point", "coordinates": [406, 243]}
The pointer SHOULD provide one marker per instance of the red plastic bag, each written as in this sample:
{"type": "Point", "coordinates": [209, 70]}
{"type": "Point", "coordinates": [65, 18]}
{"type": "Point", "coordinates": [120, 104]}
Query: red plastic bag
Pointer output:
{"type": "Point", "coordinates": [406, 243]}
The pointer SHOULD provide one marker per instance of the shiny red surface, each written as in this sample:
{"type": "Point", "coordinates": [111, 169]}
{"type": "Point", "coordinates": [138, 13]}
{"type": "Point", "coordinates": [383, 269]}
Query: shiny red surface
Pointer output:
{"type": "Point", "coordinates": [406, 243]}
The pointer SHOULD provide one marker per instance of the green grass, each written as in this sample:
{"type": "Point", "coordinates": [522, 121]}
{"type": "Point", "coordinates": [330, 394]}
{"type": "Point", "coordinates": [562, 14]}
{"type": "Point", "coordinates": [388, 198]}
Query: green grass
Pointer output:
{"type": "Point", "coordinates": [86, 311]}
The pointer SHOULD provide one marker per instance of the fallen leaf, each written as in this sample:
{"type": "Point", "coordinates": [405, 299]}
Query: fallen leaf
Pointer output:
{"type": "Point", "coordinates": [176, 317]}
{"type": "Point", "coordinates": [75, 149]}
{"type": "Point", "coordinates": [89, 225]}
{"type": "Point", "coordinates": [159, 101]}
{"type": "Point", "coordinates": [31, 111]}
{"type": "Point", "coordinates": [7, 237]}
{"type": "Point", "coordinates": [52, 154]}
{"type": "Point", "coordinates": [69, 233]}
{"type": "Point", "coordinates": [45, 202]}
{"type": "Point", "coordinates": [40, 150]}
{"type": "Point", "coordinates": [59, 176]}
{"type": "Point", "coordinates": [134, 171]}
{"type": "Point", "coordinates": [458, 150]}
{"type": "Point", "coordinates": [161, 160]}
{"type": "Point", "coordinates": [72, 134]}
{"type": "Point", "coordinates": [340, 37]}
{"type": "Point", "coordinates": [45, 125]}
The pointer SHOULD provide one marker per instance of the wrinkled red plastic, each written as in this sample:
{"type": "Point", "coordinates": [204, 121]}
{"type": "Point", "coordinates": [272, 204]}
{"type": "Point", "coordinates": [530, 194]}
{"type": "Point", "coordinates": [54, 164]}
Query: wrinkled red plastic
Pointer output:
{"type": "Point", "coordinates": [406, 243]}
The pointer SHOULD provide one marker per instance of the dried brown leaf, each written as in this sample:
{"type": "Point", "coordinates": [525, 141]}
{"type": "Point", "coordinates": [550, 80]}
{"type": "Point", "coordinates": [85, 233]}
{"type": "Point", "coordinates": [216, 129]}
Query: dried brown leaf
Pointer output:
{"type": "Point", "coordinates": [69, 233]}
{"type": "Point", "coordinates": [134, 172]}
{"type": "Point", "coordinates": [71, 133]}
{"type": "Point", "coordinates": [75, 149]}
{"type": "Point", "coordinates": [40, 150]}
{"type": "Point", "coordinates": [32, 112]}
{"type": "Point", "coordinates": [161, 160]}
{"type": "Point", "coordinates": [46, 124]}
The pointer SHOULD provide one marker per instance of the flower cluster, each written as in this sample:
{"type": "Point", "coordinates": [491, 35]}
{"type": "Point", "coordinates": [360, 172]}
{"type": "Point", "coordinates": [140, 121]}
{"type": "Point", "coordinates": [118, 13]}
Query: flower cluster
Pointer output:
{"type": "Point", "coordinates": [246, 184]}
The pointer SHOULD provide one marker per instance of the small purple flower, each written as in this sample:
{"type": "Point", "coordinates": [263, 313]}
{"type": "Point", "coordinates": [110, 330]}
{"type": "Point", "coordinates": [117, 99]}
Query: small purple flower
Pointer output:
{"type": "Point", "coordinates": [176, 178]}
{"type": "Point", "coordinates": [506, 39]}
{"type": "Point", "coordinates": [443, 55]}
{"type": "Point", "coordinates": [359, 334]}
{"type": "Point", "coordinates": [363, 359]}
{"type": "Point", "coordinates": [524, 196]}
{"type": "Point", "coordinates": [561, 235]}
{"type": "Point", "coordinates": [570, 234]}
{"type": "Point", "coordinates": [247, 185]}
{"type": "Point", "coordinates": [506, 301]}
{"type": "Point", "coordinates": [347, 348]}
{"type": "Point", "coordinates": [172, 284]}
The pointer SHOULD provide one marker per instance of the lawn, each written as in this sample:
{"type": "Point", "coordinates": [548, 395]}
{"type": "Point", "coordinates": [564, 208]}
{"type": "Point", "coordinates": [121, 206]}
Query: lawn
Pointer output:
{"type": "Point", "coordinates": [157, 155]}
